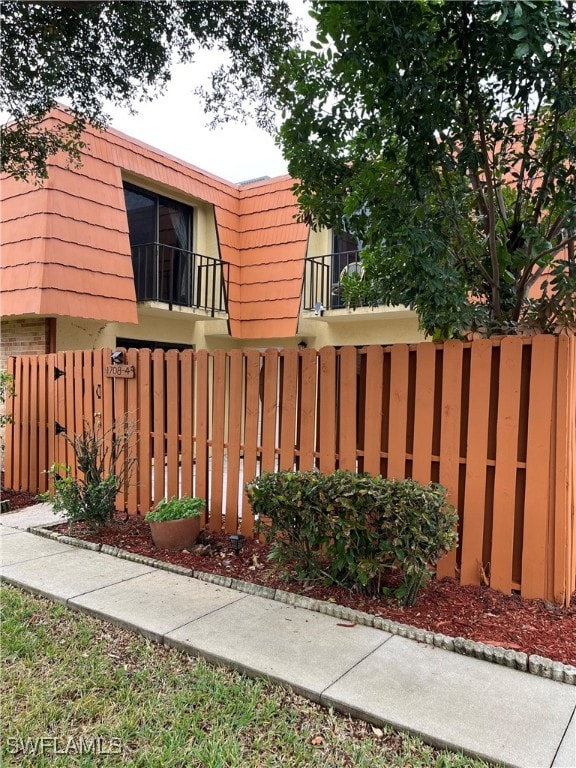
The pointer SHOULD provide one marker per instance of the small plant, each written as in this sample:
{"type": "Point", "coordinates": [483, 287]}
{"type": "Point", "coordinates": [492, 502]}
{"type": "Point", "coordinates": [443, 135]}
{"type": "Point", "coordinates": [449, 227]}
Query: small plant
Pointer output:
{"type": "Point", "coordinates": [357, 291]}
{"type": "Point", "coordinates": [6, 391]}
{"type": "Point", "coordinates": [105, 467]}
{"type": "Point", "coordinates": [349, 529]}
{"type": "Point", "coordinates": [176, 509]}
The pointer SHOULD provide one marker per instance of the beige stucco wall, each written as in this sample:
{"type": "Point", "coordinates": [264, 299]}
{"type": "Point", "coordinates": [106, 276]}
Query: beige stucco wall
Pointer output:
{"type": "Point", "coordinates": [387, 325]}
{"type": "Point", "coordinates": [320, 243]}
{"type": "Point", "coordinates": [179, 327]}
{"type": "Point", "coordinates": [338, 328]}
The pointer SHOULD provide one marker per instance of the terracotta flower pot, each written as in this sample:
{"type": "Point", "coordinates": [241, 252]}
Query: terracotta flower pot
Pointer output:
{"type": "Point", "coordinates": [175, 535]}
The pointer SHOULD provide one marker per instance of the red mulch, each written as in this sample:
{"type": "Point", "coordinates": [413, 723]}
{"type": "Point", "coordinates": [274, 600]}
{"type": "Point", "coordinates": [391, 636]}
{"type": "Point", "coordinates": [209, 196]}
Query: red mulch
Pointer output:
{"type": "Point", "coordinates": [475, 613]}
{"type": "Point", "coordinates": [19, 499]}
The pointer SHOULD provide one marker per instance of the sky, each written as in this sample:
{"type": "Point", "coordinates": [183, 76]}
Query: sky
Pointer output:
{"type": "Point", "coordinates": [175, 123]}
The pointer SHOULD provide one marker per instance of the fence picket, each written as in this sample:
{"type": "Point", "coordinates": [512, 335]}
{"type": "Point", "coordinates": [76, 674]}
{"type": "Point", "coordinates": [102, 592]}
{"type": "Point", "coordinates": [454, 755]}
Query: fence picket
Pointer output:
{"type": "Point", "coordinates": [450, 437]}
{"type": "Point", "coordinates": [289, 358]}
{"type": "Point", "coordinates": [119, 425]}
{"type": "Point", "coordinates": [398, 411]}
{"type": "Point", "coordinates": [538, 476]}
{"type": "Point", "coordinates": [186, 420]}
{"type": "Point", "coordinates": [251, 419]}
{"type": "Point", "coordinates": [51, 401]}
{"type": "Point", "coordinates": [562, 571]}
{"type": "Point", "coordinates": [33, 482]}
{"type": "Point", "coordinates": [347, 409]}
{"type": "Point", "coordinates": [132, 359]}
{"type": "Point", "coordinates": [506, 465]}
{"type": "Point", "coordinates": [61, 453]}
{"type": "Point", "coordinates": [43, 464]}
{"type": "Point", "coordinates": [172, 425]}
{"type": "Point", "coordinates": [373, 414]}
{"type": "Point", "coordinates": [218, 422]}
{"type": "Point", "coordinates": [327, 410]}
{"type": "Point", "coordinates": [307, 409]}
{"type": "Point", "coordinates": [144, 467]}
{"type": "Point", "coordinates": [476, 458]}
{"type": "Point", "coordinates": [235, 388]}
{"type": "Point", "coordinates": [424, 412]}
{"type": "Point", "coordinates": [269, 410]}
{"type": "Point", "coordinates": [202, 404]}
{"type": "Point", "coordinates": [108, 407]}
{"type": "Point", "coordinates": [25, 429]}
{"type": "Point", "coordinates": [12, 415]}
{"type": "Point", "coordinates": [158, 426]}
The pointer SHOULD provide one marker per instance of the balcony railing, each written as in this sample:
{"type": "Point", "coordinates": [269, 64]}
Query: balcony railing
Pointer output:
{"type": "Point", "coordinates": [180, 278]}
{"type": "Point", "coordinates": [323, 279]}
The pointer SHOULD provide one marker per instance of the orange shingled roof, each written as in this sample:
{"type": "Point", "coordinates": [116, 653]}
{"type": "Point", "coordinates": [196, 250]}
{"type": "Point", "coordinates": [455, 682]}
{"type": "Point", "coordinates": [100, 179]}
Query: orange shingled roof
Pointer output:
{"type": "Point", "coordinates": [273, 248]}
{"type": "Point", "coordinates": [66, 249]}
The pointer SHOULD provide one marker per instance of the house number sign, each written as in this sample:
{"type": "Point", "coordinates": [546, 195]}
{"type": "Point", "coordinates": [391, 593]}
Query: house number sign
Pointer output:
{"type": "Point", "coordinates": [119, 371]}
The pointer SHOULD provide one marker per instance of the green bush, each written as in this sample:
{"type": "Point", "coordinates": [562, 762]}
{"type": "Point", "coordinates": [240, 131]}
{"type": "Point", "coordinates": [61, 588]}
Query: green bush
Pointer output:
{"type": "Point", "coordinates": [104, 468]}
{"type": "Point", "coordinates": [176, 509]}
{"type": "Point", "coordinates": [91, 502]}
{"type": "Point", "coordinates": [350, 529]}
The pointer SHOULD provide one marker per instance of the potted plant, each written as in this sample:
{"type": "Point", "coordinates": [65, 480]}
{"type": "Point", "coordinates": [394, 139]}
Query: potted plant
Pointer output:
{"type": "Point", "coordinates": [175, 523]}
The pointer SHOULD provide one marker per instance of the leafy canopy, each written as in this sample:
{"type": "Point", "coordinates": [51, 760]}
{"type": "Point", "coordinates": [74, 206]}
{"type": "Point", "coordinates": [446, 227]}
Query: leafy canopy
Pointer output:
{"type": "Point", "coordinates": [91, 52]}
{"type": "Point", "coordinates": [444, 135]}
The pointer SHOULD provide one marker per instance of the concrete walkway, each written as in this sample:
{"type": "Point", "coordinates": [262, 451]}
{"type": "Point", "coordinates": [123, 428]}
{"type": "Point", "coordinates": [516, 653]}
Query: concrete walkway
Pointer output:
{"type": "Point", "coordinates": [463, 703]}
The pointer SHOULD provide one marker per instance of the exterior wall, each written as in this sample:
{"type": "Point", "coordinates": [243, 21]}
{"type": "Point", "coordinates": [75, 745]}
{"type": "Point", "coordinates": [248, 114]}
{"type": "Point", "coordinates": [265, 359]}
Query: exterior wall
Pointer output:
{"type": "Point", "coordinates": [168, 327]}
{"type": "Point", "coordinates": [360, 327]}
{"type": "Point", "coordinates": [320, 243]}
{"type": "Point", "coordinates": [23, 336]}
{"type": "Point", "coordinates": [163, 326]}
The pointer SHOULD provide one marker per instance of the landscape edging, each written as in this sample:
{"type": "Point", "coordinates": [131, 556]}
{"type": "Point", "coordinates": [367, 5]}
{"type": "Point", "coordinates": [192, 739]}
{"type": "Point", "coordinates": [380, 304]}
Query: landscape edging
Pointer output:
{"type": "Point", "coordinates": [533, 664]}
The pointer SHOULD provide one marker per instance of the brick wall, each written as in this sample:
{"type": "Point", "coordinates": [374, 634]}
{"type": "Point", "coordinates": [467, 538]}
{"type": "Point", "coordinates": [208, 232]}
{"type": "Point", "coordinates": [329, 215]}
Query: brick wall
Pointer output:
{"type": "Point", "coordinates": [23, 337]}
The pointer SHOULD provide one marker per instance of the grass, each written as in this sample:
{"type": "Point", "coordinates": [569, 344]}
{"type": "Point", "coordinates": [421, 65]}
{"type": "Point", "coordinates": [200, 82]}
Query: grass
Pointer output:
{"type": "Point", "coordinates": [82, 691]}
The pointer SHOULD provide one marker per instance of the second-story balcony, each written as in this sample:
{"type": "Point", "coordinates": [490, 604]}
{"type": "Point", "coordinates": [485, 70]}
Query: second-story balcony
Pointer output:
{"type": "Point", "coordinates": [180, 278]}
{"type": "Point", "coordinates": [323, 276]}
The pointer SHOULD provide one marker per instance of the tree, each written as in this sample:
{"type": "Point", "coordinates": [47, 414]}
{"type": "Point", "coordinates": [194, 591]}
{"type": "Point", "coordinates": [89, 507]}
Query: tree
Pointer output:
{"type": "Point", "coordinates": [91, 52]}
{"type": "Point", "coordinates": [444, 135]}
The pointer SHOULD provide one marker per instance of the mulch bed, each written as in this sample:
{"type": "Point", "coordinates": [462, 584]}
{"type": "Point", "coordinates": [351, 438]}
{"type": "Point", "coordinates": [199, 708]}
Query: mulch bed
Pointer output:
{"type": "Point", "coordinates": [18, 499]}
{"type": "Point", "coordinates": [475, 613]}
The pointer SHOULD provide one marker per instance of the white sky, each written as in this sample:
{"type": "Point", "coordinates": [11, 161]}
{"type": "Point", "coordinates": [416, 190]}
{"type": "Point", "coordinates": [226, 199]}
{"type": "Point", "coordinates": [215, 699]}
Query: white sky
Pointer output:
{"type": "Point", "coordinates": [175, 123]}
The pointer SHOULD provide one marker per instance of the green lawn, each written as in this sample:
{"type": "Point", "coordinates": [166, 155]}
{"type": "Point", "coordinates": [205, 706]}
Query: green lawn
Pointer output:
{"type": "Point", "coordinates": [80, 692]}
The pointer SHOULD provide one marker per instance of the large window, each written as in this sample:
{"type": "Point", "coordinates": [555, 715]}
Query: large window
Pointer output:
{"type": "Point", "coordinates": [155, 219]}
{"type": "Point", "coordinates": [161, 240]}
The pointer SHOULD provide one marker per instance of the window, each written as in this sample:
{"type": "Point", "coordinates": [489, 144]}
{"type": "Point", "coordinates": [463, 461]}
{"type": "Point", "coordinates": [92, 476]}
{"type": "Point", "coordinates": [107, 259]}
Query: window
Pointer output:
{"type": "Point", "coordinates": [155, 219]}
{"type": "Point", "coordinates": [160, 233]}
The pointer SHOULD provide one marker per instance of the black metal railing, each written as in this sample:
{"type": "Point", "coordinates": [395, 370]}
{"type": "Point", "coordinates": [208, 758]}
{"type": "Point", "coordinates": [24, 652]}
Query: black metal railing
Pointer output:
{"type": "Point", "coordinates": [181, 278]}
{"type": "Point", "coordinates": [323, 279]}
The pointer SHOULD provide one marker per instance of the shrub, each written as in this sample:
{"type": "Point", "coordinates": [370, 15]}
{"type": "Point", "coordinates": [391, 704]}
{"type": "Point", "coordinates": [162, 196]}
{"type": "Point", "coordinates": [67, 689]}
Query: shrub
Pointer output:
{"type": "Point", "coordinates": [176, 509]}
{"type": "Point", "coordinates": [290, 513]}
{"type": "Point", "coordinates": [350, 528]}
{"type": "Point", "coordinates": [6, 391]}
{"type": "Point", "coordinates": [105, 467]}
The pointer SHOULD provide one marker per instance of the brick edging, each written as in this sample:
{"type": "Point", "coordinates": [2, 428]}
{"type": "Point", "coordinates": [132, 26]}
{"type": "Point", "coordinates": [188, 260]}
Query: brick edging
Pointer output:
{"type": "Point", "coordinates": [535, 665]}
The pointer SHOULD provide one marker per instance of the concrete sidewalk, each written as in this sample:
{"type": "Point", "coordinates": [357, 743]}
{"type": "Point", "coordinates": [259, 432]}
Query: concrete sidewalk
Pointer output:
{"type": "Point", "coordinates": [491, 711]}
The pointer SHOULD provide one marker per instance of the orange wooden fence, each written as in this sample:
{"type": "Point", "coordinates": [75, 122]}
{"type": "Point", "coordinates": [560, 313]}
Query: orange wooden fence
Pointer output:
{"type": "Point", "coordinates": [494, 421]}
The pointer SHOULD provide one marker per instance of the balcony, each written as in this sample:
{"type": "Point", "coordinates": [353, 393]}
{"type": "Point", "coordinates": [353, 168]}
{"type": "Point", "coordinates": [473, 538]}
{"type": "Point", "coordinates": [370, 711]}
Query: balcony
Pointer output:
{"type": "Point", "coordinates": [179, 278]}
{"type": "Point", "coordinates": [323, 279]}
{"type": "Point", "coordinates": [323, 295]}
